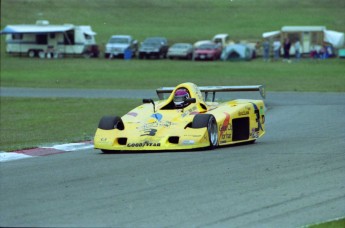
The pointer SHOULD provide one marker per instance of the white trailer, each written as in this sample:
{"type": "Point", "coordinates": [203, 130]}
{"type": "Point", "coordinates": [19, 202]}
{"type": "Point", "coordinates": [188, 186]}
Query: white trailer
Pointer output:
{"type": "Point", "coordinates": [45, 40]}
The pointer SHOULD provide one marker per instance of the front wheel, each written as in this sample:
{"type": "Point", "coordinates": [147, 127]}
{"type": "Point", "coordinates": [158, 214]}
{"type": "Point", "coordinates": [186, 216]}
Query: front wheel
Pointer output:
{"type": "Point", "coordinates": [111, 122]}
{"type": "Point", "coordinates": [208, 121]}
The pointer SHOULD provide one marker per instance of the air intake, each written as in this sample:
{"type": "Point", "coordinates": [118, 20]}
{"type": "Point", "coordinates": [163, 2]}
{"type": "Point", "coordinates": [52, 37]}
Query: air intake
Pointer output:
{"type": "Point", "coordinates": [122, 141]}
{"type": "Point", "coordinates": [174, 139]}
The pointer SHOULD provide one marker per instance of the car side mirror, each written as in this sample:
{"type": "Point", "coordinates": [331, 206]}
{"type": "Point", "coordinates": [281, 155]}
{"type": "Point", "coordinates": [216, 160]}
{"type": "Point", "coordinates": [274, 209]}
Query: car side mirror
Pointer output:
{"type": "Point", "coordinates": [190, 101]}
{"type": "Point", "coordinates": [146, 101]}
{"type": "Point", "coordinates": [150, 101]}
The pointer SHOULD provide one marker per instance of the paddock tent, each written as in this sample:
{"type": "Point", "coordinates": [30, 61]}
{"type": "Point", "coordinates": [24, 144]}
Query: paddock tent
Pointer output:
{"type": "Point", "coordinates": [334, 38]}
{"type": "Point", "coordinates": [237, 52]}
{"type": "Point", "coordinates": [309, 36]}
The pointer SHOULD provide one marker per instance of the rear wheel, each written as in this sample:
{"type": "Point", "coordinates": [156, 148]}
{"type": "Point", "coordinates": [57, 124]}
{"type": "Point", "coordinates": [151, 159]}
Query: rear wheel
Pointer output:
{"type": "Point", "coordinates": [208, 121]}
{"type": "Point", "coordinates": [41, 54]}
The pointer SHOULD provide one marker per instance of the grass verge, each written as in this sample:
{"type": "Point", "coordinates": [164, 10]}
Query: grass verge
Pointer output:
{"type": "Point", "coordinates": [340, 223]}
{"type": "Point", "coordinates": [307, 75]}
{"type": "Point", "coordinates": [28, 123]}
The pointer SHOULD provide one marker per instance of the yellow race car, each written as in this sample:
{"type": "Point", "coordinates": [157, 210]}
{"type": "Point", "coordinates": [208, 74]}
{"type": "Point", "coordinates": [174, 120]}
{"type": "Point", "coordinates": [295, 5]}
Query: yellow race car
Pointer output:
{"type": "Point", "coordinates": [184, 119]}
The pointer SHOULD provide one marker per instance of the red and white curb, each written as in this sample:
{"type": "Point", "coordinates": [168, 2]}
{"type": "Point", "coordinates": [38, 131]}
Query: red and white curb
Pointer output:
{"type": "Point", "coordinates": [44, 151]}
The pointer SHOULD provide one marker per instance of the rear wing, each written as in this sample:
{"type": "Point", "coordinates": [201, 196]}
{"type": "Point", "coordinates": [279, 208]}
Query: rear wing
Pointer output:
{"type": "Point", "coordinates": [161, 92]}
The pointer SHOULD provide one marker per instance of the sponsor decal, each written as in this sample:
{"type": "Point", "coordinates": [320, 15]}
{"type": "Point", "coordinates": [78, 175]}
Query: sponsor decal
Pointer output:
{"type": "Point", "coordinates": [248, 108]}
{"type": "Point", "coordinates": [188, 142]}
{"type": "Point", "coordinates": [257, 113]}
{"type": "Point", "coordinates": [205, 137]}
{"type": "Point", "coordinates": [149, 126]}
{"type": "Point", "coordinates": [143, 144]}
{"type": "Point", "coordinates": [254, 133]}
{"type": "Point", "coordinates": [193, 113]}
{"type": "Point", "coordinates": [150, 132]}
{"type": "Point", "coordinates": [134, 114]}
{"type": "Point", "coordinates": [261, 110]}
{"type": "Point", "coordinates": [262, 113]}
{"type": "Point", "coordinates": [226, 128]}
{"type": "Point", "coordinates": [243, 113]}
{"type": "Point", "coordinates": [157, 116]}
{"type": "Point", "coordinates": [194, 136]}
{"type": "Point", "coordinates": [188, 111]}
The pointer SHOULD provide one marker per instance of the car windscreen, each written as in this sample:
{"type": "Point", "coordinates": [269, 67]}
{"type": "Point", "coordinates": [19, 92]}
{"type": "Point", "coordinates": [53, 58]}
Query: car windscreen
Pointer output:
{"type": "Point", "coordinates": [207, 47]}
{"type": "Point", "coordinates": [152, 43]}
{"type": "Point", "coordinates": [180, 46]}
{"type": "Point", "coordinates": [118, 40]}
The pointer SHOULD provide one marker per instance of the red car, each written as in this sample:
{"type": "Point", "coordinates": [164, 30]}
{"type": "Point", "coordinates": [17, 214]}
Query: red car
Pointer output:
{"type": "Point", "coordinates": [207, 51]}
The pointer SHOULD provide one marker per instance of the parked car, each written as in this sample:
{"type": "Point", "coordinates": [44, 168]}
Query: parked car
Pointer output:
{"type": "Point", "coordinates": [119, 44]}
{"type": "Point", "coordinates": [156, 47]}
{"type": "Point", "coordinates": [207, 50]}
{"type": "Point", "coordinates": [180, 51]}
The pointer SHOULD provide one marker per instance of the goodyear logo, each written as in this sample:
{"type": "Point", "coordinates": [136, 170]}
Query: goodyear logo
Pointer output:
{"type": "Point", "coordinates": [143, 144]}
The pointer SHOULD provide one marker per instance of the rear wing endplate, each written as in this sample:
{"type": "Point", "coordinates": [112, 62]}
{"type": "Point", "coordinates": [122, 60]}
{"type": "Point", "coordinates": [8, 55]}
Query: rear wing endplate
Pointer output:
{"type": "Point", "coordinates": [215, 89]}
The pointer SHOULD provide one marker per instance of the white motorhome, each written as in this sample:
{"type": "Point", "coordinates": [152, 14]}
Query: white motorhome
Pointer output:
{"type": "Point", "coordinates": [45, 40]}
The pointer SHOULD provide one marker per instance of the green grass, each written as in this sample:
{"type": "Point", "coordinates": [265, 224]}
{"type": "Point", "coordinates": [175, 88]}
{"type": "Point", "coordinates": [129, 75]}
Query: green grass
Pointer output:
{"type": "Point", "coordinates": [307, 75]}
{"type": "Point", "coordinates": [28, 123]}
{"type": "Point", "coordinates": [179, 20]}
{"type": "Point", "coordinates": [340, 223]}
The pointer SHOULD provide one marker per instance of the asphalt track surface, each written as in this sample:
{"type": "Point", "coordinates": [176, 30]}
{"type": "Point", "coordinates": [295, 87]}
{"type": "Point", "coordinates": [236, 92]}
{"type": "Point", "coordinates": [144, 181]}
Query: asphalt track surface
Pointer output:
{"type": "Point", "coordinates": [293, 176]}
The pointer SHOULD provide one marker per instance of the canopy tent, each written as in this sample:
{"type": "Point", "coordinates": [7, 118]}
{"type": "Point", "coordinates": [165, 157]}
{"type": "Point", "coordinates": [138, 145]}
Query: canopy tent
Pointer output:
{"type": "Point", "coordinates": [237, 52]}
{"type": "Point", "coordinates": [334, 38]}
{"type": "Point", "coordinates": [303, 28]}
{"type": "Point", "coordinates": [270, 34]}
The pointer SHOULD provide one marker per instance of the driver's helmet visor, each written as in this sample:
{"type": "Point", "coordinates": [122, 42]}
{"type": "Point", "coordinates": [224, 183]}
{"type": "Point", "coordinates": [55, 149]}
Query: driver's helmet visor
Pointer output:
{"type": "Point", "coordinates": [180, 98]}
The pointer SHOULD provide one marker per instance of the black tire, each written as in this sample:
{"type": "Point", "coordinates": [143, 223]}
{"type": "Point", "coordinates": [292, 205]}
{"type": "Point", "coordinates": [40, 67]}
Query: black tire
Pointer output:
{"type": "Point", "coordinates": [252, 141]}
{"type": "Point", "coordinates": [107, 151]}
{"type": "Point", "coordinates": [110, 122]}
{"type": "Point", "coordinates": [41, 54]}
{"type": "Point", "coordinates": [32, 53]}
{"type": "Point", "coordinates": [87, 55]}
{"type": "Point", "coordinates": [209, 121]}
